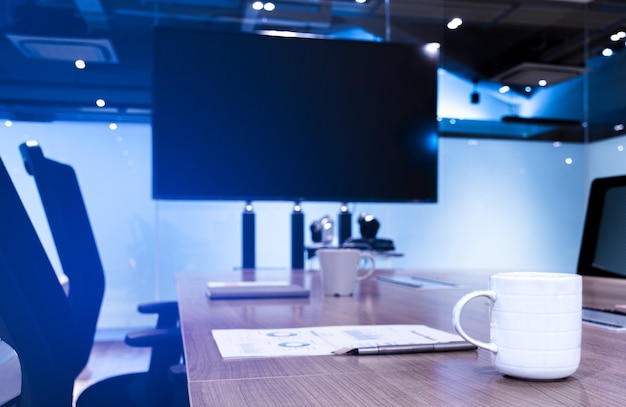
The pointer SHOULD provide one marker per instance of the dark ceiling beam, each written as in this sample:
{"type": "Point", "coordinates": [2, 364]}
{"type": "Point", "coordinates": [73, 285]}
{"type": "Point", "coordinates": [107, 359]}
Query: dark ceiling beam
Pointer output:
{"type": "Point", "coordinates": [63, 95]}
{"type": "Point", "coordinates": [504, 13]}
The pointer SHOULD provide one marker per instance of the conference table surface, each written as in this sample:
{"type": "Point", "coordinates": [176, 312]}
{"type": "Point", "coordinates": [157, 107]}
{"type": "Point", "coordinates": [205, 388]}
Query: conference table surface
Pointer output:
{"type": "Point", "coordinates": [462, 378]}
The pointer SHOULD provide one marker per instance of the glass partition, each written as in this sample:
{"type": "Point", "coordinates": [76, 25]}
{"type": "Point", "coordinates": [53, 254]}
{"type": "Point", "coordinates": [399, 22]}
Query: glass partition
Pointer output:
{"type": "Point", "coordinates": [514, 163]}
{"type": "Point", "coordinates": [515, 70]}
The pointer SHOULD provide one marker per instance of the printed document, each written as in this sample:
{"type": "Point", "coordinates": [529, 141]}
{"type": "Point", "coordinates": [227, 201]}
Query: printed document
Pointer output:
{"type": "Point", "coordinates": [244, 343]}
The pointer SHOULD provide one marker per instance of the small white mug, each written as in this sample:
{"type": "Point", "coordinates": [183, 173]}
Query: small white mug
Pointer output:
{"type": "Point", "coordinates": [536, 323]}
{"type": "Point", "coordinates": [340, 269]}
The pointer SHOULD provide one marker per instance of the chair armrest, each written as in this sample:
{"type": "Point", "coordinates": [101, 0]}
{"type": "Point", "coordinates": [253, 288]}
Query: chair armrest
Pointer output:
{"type": "Point", "coordinates": [166, 344]}
{"type": "Point", "coordinates": [167, 312]}
{"type": "Point", "coordinates": [153, 337]}
{"type": "Point", "coordinates": [158, 307]}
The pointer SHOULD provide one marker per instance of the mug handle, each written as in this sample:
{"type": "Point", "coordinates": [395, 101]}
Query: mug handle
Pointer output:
{"type": "Point", "coordinates": [370, 270]}
{"type": "Point", "coordinates": [456, 319]}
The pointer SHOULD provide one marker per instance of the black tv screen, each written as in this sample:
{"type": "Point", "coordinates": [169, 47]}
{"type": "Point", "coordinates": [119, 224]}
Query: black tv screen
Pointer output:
{"type": "Point", "coordinates": [252, 117]}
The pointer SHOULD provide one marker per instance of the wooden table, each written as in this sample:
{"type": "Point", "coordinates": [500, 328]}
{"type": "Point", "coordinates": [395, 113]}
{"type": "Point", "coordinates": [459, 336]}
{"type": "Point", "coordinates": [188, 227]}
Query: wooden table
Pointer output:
{"type": "Point", "coordinates": [464, 378]}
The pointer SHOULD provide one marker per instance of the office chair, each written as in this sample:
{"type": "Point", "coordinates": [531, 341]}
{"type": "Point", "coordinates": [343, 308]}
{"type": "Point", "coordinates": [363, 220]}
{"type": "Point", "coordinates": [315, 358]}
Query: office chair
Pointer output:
{"type": "Point", "coordinates": [71, 230]}
{"type": "Point", "coordinates": [47, 330]}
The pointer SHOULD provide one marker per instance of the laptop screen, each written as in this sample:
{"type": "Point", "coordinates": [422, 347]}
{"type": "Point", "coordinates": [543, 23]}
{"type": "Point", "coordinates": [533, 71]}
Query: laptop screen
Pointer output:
{"type": "Point", "coordinates": [603, 248]}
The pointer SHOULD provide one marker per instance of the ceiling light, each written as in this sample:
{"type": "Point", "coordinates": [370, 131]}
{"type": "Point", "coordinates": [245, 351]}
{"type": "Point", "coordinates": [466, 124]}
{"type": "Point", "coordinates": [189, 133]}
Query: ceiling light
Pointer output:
{"type": "Point", "coordinates": [454, 23]}
{"type": "Point", "coordinates": [79, 64]}
{"type": "Point", "coordinates": [542, 82]}
{"type": "Point", "coordinates": [100, 103]}
{"type": "Point", "coordinates": [607, 52]}
{"type": "Point", "coordinates": [504, 89]}
{"type": "Point", "coordinates": [360, 1]}
{"type": "Point", "coordinates": [259, 5]}
{"type": "Point", "coordinates": [432, 47]}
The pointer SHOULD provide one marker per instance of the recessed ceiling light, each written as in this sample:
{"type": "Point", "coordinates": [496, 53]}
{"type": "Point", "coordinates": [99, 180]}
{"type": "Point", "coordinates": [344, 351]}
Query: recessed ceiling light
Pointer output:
{"type": "Point", "coordinates": [432, 47]}
{"type": "Point", "coordinates": [454, 23]}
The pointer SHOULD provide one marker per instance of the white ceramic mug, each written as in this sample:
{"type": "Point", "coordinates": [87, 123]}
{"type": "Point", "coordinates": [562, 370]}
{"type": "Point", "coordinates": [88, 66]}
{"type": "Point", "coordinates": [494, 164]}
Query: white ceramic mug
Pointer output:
{"type": "Point", "coordinates": [340, 269]}
{"type": "Point", "coordinates": [536, 323]}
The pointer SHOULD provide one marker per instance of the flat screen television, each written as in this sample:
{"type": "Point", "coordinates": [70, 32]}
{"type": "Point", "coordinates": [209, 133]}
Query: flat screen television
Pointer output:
{"type": "Point", "coordinates": [252, 117]}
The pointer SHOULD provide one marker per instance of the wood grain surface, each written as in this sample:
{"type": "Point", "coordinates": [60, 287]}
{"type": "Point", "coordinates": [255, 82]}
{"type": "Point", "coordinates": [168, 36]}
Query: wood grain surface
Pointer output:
{"type": "Point", "coordinates": [465, 378]}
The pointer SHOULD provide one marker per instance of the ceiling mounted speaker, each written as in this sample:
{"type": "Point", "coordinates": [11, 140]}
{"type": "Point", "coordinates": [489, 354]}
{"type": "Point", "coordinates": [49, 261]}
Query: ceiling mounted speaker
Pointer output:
{"type": "Point", "coordinates": [65, 49]}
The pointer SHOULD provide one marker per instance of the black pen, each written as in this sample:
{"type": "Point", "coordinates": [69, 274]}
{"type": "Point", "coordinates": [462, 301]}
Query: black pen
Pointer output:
{"type": "Point", "coordinates": [411, 348]}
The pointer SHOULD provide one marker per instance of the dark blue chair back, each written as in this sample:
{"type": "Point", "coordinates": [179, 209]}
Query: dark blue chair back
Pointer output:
{"type": "Point", "coordinates": [36, 317]}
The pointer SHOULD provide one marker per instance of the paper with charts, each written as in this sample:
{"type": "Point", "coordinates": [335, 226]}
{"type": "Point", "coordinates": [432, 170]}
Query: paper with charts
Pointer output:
{"type": "Point", "coordinates": [245, 343]}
